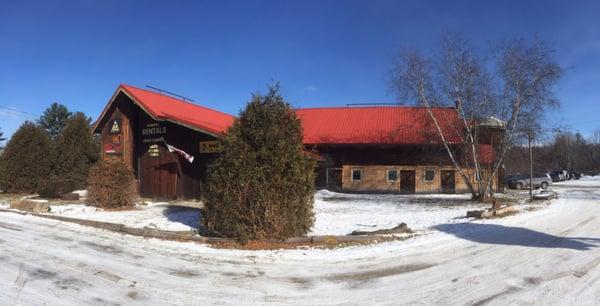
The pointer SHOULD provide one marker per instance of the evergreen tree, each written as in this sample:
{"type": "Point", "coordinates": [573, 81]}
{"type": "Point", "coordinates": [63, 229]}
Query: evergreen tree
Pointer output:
{"type": "Point", "coordinates": [2, 139]}
{"type": "Point", "coordinates": [75, 151]}
{"type": "Point", "coordinates": [25, 161]}
{"type": "Point", "coordinates": [54, 119]}
{"type": "Point", "coordinates": [262, 186]}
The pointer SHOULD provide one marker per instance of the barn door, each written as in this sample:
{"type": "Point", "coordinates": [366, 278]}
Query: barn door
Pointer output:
{"type": "Point", "coordinates": [448, 183]}
{"type": "Point", "coordinates": [159, 173]}
{"type": "Point", "coordinates": [407, 181]}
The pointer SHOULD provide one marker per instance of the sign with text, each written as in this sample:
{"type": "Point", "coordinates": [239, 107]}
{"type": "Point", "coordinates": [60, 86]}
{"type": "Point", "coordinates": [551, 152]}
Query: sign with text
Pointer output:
{"type": "Point", "coordinates": [209, 146]}
{"type": "Point", "coordinates": [154, 129]}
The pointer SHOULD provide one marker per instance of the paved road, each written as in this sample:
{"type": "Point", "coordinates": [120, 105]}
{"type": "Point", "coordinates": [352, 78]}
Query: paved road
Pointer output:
{"type": "Point", "coordinates": [548, 256]}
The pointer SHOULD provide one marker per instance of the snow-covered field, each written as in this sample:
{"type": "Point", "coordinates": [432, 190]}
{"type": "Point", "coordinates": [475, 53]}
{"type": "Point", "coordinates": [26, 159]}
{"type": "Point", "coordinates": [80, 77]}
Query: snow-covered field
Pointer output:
{"type": "Point", "coordinates": [154, 215]}
{"type": "Point", "coordinates": [544, 257]}
{"type": "Point", "coordinates": [335, 213]}
{"type": "Point", "coordinates": [340, 214]}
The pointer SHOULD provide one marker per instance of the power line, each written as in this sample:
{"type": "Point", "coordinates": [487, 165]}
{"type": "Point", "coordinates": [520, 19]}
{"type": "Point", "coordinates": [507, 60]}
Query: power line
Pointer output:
{"type": "Point", "coordinates": [16, 112]}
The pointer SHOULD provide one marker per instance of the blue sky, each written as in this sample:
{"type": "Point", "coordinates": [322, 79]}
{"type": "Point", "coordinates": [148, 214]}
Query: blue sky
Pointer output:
{"type": "Point", "coordinates": [324, 53]}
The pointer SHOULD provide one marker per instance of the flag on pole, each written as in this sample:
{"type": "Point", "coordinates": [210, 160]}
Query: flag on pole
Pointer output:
{"type": "Point", "coordinates": [181, 152]}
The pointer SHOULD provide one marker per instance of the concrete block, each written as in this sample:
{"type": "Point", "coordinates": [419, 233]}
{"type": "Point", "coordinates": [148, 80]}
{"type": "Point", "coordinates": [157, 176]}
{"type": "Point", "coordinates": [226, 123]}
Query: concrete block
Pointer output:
{"type": "Point", "coordinates": [33, 206]}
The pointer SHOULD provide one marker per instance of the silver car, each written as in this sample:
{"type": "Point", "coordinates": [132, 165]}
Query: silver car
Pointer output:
{"type": "Point", "coordinates": [542, 180]}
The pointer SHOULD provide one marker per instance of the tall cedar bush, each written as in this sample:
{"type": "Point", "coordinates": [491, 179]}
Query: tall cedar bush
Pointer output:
{"type": "Point", "coordinates": [76, 151]}
{"type": "Point", "coordinates": [26, 159]}
{"type": "Point", "coordinates": [54, 119]}
{"type": "Point", "coordinates": [262, 186]}
{"type": "Point", "coordinates": [111, 184]}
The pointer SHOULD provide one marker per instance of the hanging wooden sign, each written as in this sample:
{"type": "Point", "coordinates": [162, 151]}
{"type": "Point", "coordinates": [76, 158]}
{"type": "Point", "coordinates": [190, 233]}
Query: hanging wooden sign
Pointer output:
{"type": "Point", "coordinates": [210, 146]}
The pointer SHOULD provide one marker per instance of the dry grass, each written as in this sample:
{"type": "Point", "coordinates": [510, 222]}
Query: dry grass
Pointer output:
{"type": "Point", "coordinates": [327, 243]}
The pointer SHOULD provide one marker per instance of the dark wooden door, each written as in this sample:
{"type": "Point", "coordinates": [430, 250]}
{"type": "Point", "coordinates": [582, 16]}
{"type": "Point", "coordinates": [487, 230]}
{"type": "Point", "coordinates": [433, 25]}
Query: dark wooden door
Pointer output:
{"type": "Point", "coordinates": [334, 179]}
{"type": "Point", "coordinates": [159, 174]}
{"type": "Point", "coordinates": [407, 181]}
{"type": "Point", "coordinates": [448, 181]}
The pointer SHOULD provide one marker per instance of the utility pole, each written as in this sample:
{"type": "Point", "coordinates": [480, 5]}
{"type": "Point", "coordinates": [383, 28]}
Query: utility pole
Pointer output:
{"type": "Point", "coordinates": [530, 169]}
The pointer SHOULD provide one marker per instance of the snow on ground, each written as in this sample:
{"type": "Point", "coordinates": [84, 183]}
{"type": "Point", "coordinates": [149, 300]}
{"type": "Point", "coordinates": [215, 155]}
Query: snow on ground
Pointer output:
{"type": "Point", "coordinates": [340, 214]}
{"type": "Point", "coordinates": [585, 181]}
{"type": "Point", "coordinates": [154, 215]}
{"type": "Point", "coordinates": [335, 213]}
{"type": "Point", "coordinates": [549, 256]}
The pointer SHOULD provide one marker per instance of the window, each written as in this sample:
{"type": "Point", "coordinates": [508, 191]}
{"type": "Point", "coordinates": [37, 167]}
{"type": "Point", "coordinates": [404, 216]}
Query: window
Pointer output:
{"type": "Point", "coordinates": [356, 175]}
{"type": "Point", "coordinates": [429, 174]}
{"type": "Point", "coordinates": [392, 175]}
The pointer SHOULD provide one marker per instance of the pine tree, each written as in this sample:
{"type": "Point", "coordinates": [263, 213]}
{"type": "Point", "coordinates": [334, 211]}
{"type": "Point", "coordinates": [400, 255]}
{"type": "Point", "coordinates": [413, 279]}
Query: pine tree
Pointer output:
{"type": "Point", "coordinates": [262, 186]}
{"type": "Point", "coordinates": [75, 151]}
{"type": "Point", "coordinates": [25, 161]}
{"type": "Point", "coordinates": [54, 119]}
{"type": "Point", "coordinates": [2, 139]}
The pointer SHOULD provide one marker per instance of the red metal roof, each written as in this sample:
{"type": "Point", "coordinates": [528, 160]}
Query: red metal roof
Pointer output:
{"type": "Point", "coordinates": [163, 107]}
{"type": "Point", "coordinates": [336, 125]}
{"type": "Point", "coordinates": [376, 125]}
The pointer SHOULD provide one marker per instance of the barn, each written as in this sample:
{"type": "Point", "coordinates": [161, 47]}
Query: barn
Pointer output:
{"type": "Point", "coordinates": [359, 149]}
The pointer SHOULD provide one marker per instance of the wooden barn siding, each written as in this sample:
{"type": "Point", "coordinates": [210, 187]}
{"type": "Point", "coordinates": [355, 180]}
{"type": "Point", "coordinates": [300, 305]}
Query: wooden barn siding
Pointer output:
{"type": "Point", "coordinates": [374, 179]}
{"type": "Point", "coordinates": [191, 175]}
{"type": "Point", "coordinates": [123, 110]}
{"type": "Point", "coordinates": [133, 119]}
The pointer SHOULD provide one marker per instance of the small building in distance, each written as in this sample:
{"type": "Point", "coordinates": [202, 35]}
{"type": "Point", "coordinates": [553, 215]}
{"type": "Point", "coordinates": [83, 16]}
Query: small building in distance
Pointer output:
{"type": "Point", "coordinates": [359, 149]}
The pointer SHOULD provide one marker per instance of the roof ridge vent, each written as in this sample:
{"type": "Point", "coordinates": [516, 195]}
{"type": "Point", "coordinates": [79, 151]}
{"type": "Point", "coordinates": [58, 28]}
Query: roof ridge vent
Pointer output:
{"type": "Point", "coordinates": [170, 93]}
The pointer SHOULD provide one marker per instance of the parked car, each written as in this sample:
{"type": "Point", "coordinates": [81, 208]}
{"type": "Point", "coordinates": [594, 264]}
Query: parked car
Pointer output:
{"type": "Point", "coordinates": [542, 180]}
{"type": "Point", "coordinates": [575, 175]}
{"type": "Point", "coordinates": [512, 177]}
{"type": "Point", "coordinates": [557, 176]}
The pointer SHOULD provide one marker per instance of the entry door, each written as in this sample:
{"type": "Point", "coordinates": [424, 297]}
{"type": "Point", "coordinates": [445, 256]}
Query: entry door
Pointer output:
{"type": "Point", "coordinates": [448, 183]}
{"type": "Point", "coordinates": [407, 181]}
{"type": "Point", "coordinates": [158, 177]}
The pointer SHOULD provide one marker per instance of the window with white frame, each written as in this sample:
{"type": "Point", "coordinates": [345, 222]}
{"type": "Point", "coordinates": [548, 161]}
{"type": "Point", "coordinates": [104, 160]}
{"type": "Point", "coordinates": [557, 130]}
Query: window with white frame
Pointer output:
{"type": "Point", "coordinates": [429, 175]}
{"type": "Point", "coordinates": [392, 175]}
{"type": "Point", "coordinates": [356, 175]}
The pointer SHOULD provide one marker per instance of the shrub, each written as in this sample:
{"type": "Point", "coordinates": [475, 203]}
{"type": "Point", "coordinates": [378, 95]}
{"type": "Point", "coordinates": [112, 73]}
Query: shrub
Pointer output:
{"type": "Point", "coordinates": [111, 184]}
{"type": "Point", "coordinates": [26, 159]}
{"type": "Point", "coordinates": [76, 151]}
{"type": "Point", "coordinates": [54, 187]}
{"type": "Point", "coordinates": [262, 186]}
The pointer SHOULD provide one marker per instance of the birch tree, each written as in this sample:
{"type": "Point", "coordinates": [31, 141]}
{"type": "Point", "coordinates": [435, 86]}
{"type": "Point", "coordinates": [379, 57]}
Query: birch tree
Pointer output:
{"type": "Point", "coordinates": [517, 91]}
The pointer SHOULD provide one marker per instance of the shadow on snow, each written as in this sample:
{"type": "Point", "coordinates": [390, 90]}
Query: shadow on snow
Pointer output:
{"type": "Point", "coordinates": [184, 215]}
{"type": "Point", "coordinates": [507, 235]}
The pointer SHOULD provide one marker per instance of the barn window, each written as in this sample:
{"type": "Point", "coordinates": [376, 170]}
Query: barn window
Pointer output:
{"type": "Point", "coordinates": [392, 175]}
{"type": "Point", "coordinates": [429, 174]}
{"type": "Point", "coordinates": [356, 175]}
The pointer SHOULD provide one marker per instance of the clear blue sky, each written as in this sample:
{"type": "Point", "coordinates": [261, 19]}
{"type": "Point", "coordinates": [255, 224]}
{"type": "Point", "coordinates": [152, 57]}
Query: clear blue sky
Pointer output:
{"type": "Point", "coordinates": [324, 53]}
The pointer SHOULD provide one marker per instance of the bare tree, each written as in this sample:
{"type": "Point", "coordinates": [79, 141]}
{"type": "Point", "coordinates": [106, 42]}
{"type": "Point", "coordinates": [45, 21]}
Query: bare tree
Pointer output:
{"type": "Point", "coordinates": [517, 92]}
